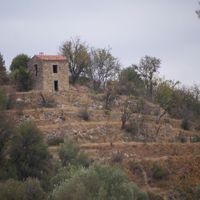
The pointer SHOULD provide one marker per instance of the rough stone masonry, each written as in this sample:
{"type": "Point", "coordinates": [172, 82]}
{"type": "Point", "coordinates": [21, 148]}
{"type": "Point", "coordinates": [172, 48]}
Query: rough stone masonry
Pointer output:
{"type": "Point", "coordinates": [49, 73]}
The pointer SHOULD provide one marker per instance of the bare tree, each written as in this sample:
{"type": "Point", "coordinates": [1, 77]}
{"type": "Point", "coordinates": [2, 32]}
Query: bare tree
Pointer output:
{"type": "Point", "coordinates": [78, 57]}
{"type": "Point", "coordinates": [103, 67]}
{"type": "Point", "coordinates": [110, 95]}
{"type": "Point", "coordinates": [147, 68]}
{"type": "Point", "coordinates": [128, 109]}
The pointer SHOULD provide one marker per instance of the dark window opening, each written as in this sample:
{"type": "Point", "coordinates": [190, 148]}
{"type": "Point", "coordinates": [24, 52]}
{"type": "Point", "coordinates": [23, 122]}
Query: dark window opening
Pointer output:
{"type": "Point", "coordinates": [55, 68]}
{"type": "Point", "coordinates": [56, 85]}
{"type": "Point", "coordinates": [36, 70]}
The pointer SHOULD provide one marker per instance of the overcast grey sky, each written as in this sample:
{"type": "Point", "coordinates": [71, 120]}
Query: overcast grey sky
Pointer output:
{"type": "Point", "coordinates": [167, 29]}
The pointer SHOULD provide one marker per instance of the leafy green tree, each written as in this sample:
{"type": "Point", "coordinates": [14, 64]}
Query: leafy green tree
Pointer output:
{"type": "Point", "coordinates": [98, 183]}
{"type": "Point", "coordinates": [19, 61]}
{"type": "Point", "coordinates": [22, 79]}
{"type": "Point", "coordinates": [130, 82]}
{"type": "Point", "coordinates": [3, 74]}
{"type": "Point", "coordinates": [147, 69]}
{"type": "Point", "coordinates": [103, 67]}
{"type": "Point", "coordinates": [20, 74]}
{"type": "Point", "coordinates": [78, 57]}
{"type": "Point", "coordinates": [28, 152]}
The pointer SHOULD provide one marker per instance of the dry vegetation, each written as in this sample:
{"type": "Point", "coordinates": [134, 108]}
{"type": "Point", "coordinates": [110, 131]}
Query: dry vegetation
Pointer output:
{"type": "Point", "coordinates": [160, 162]}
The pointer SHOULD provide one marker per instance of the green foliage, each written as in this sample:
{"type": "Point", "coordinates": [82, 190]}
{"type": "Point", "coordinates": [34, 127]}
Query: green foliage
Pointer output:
{"type": "Point", "coordinates": [181, 138]}
{"type": "Point", "coordinates": [16, 190]}
{"type": "Point", "coordinates": [20, 61]}
{"type": "Point", "coordinates": [7, 131]}
{"type": "Point", "coordinates": [185, 103]}
{"type": "Point", "coordinates": [197, 192]}
{"type": "Point", "coordinates": [195, 138]}
{"type": "Point", "coordinates": [104, 67]}
{"type": "Point", "coordinates": [185, 125]}
{"type": "Point", "coordinates": [147, 69]}
{"type": "Point", "coordinates": [117, 157]}
{"type": "Point", "coordinates": [3, 100]}
{"type": "Point", "coordinates": [3, 74]}
{"type": "Point", "coordinates": [159, 172]}
{"type": "Point", "coordinates": [33, 190]}
{"type": "Point", "coordinates": [70, 153]}
{"type": "Point", "coordinates": [98, 183]}
{"type": "Point", "coordinates": [20, 74]}
{"type": "Point", "coordinates": [28, 151]}
{"type": "Point", "coordinates": [64, 174]}
{"type": "Point", "coordinates": [130, 82]}
{"type": "Point", "coordinates": [164, 95]}
{"type": "Point", "coordinates": [54, 140]}
{"type": "Point", "coordinates": [11, 190]}
{"type": "Point", "coordinates": [22, 79]}
{"type": "Point", "coordinates": [84, 114]}
{"type": "Point", "coordinates": [154, 196]}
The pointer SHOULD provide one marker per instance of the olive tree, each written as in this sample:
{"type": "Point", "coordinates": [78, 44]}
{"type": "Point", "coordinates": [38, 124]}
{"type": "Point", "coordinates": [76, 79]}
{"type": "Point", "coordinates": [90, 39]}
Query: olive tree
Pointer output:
{"type": "Point", "coordinates": [20, 74]}
{"type": "Point", "coordinates": [28, 152]}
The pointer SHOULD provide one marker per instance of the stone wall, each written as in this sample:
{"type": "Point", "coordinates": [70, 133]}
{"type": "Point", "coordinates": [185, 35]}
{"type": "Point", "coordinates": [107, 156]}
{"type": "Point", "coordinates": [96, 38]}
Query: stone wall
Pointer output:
{"type": "Point", "coordinates": [37, 81]}
{"type": "Point", "coordinates": [45, 78]}
{"type": "Point", "coordinates": [50, 77]}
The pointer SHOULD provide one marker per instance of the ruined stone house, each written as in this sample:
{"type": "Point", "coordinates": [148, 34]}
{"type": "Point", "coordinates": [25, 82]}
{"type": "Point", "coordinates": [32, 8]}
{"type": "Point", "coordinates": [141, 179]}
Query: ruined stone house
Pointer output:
{"type": "Point", "coordinates": [49, 73]}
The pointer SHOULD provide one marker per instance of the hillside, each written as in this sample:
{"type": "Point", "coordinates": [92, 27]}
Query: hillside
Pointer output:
{"type": "Point", "coordinates": [170, 149]}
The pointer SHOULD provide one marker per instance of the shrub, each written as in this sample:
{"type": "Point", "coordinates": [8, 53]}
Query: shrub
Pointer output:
{"type": "Point", "coordinates": [98, 182]}
{"type": "Point", "coordinates": [7, 132]}
{"type": "Point", "coordinates": [11, 189]}
{"type": "Point", "coordinates": [54, 140]}
{"type": "Point", "coordinates": [3, 100]}
{"type": "Point", "coordinates": [84, 114]}
{"type": "Point", "coordinates": [181, 138]}
{"type": "Point", "coordinates": [153, 196]}
{"type": "Point", "coordinates": [47, 101]}
{"type": "Point", "coordinates": [159, 172]}
{"type": "Point", "coordinates": [11, 101]}
{"type": "Point", "coordinates": [185, 125]}
{"type": "Point", "coordinates": [107, 112]}
{"type": "Point", "coordinates": [132, 127]}
{"type": "Point", "coordinates": [63, 174]}
{"type": "Point", "coordinates": [197, 192]}
{"type": "Point", "coordinates": [117, 157]}
{"type": "Point", "coordinates": [17, 190]}
{"type": "Point", "coordinates": [33, 190]}
{"type": "Point", "coordinates": [83, 159]}
{"type": "Point", "coordinates": [70, 153]}
{"type": "Point", "coordinates": [195, 138]}
{"type": "Point", "coordinates": [28, 152]}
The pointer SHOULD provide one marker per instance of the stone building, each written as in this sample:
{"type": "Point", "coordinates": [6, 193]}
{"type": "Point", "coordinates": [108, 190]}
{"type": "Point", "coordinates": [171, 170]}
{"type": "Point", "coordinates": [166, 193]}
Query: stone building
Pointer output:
{"type": "Point", "coordinates": [49, 73]}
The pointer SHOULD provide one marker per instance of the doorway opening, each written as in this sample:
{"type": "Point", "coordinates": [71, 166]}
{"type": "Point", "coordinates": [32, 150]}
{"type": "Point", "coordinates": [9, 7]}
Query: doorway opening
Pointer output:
{"type": "Point", "coordinates": [55, 85]}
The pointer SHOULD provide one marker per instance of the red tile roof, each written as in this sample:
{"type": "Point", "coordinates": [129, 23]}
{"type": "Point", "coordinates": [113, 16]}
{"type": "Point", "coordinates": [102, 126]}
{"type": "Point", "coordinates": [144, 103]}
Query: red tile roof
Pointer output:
{"type": "Point", "coordinates": [51, 57]}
